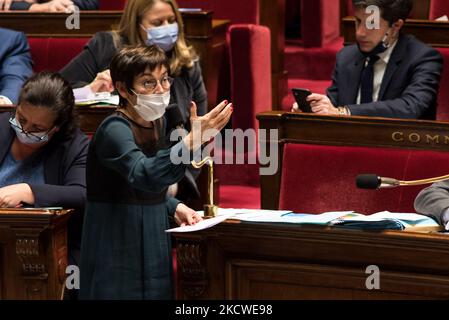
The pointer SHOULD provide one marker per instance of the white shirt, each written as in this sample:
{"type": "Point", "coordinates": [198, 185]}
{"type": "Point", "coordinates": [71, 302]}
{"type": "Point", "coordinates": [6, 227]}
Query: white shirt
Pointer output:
{"type": "Point", "coordinates": [379, 71]}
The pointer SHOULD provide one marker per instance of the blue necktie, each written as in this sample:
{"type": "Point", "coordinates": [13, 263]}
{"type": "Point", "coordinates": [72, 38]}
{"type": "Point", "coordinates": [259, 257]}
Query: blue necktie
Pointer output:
{"type": "Point", "coordinates": [367, 80]}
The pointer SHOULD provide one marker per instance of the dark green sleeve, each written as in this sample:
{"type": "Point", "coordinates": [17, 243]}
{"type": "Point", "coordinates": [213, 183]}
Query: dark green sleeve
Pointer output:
{"type": "Point", "coordinates": [117, 150]}
{"type": "Point", "coordinates": [172, 203]}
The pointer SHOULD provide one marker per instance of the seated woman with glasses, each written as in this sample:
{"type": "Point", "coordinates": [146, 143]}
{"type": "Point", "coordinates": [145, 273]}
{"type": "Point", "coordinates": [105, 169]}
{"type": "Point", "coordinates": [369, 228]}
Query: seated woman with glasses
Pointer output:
{"type": "Point", "coordinates": [43, 153]}
{"type": "Point", "coordinates": [126, 253]}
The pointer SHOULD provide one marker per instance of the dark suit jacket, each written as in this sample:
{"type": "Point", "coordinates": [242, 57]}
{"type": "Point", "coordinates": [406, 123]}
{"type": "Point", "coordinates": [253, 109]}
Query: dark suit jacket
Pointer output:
{"type": "Point", "coordinates": [64, 171]}
{"type": "Point", "coordinates": [82, 4]}
{"type": "Point", "coordinates": [409, 88]}
{"type": "Point", "coordinates": [15, 63]}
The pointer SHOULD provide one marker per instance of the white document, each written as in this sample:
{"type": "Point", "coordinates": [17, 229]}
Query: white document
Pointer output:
{"type": "Point", "coordinates": [206, 223]}
{"type": "Point", "coordinates": [410, 217]}
{"type": "Point", "coordinates": [290, 217]}
{"type": "Point", "coordinates": [101, 97]}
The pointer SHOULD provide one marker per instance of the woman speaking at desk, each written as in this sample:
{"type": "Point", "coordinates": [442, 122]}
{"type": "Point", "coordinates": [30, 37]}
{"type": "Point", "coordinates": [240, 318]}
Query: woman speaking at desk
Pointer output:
{"type": "Point", "coordinates": [145, 22]}
{"type": "Point", "coordinates": [125, 252]}
{"type": "Point", "coordinates": [43, 153]}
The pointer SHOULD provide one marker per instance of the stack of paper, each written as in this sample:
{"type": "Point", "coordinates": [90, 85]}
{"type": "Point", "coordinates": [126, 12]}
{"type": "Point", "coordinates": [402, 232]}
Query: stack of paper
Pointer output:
{"type": "Point", "coordinates": [380, 221]}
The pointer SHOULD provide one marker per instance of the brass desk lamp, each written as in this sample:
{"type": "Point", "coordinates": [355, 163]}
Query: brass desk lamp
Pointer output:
{"type": "Point", "coordinates": [210, 210]}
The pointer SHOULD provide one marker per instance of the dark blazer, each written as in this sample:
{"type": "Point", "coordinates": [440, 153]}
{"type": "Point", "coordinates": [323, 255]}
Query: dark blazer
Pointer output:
{"type": "Point", "coordinates": [15, 63]}
{"type": "Point", "coordinates": [409, 88]}
{"type": "Point", "coordinates": [82, 4]}
{"type": "Point", "coordinates": [97, 55]}
{"type": "Point", "coordinates": [64, 170]}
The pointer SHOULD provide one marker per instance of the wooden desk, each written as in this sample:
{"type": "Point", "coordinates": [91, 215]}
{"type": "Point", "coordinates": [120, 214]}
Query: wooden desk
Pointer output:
{"type": "Point", "coordinates": [207, 36]}
{"type": "Point", "coordinates": [236, 260]}
{"type": "Point", "coordinates": [434, 33]}
{"type": "Point", "coordinates": [33, 253]}
{"type": "Point", "coordinates": [349, 131]}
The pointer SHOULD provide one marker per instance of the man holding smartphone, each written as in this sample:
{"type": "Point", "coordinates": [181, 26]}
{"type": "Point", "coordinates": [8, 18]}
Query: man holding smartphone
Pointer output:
{"type": "Point", "coordinates": [387, 73]}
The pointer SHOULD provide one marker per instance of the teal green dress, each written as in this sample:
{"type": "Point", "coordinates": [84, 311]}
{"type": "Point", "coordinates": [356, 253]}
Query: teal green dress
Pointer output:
{"type": "Point", "coordinates": [125, 251]}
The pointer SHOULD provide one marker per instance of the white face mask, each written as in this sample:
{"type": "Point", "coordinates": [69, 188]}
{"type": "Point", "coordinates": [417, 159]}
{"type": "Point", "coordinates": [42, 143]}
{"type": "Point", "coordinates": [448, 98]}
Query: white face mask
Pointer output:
{"type": "Point", "coordinates": [28, 138]}
{"type": "Point", "coordinates": [152, 106]}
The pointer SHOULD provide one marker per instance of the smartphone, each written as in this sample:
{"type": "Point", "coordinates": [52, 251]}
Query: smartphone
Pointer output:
{"type": "Point", "coordinates": [300, 97]}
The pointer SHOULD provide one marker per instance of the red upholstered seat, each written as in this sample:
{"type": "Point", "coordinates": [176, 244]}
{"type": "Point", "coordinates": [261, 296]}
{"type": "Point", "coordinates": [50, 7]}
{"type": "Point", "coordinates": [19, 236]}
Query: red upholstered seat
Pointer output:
{"type": "Point", "coordinates": [249, 47]}
{"type": "Point", "coordinates": [54, 53]}
{"type": "Point", "coordinates": [320, 23]}
{"type": "Point", "coordinates": [250, 60]}
{"type": "Point", "coordinates": [317, 178]}
{"type": "Point", "coordinates": [438, 8]}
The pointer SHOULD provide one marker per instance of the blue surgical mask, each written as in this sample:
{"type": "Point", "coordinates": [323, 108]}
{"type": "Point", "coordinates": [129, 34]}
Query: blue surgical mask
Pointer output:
{"type": "Point", "coordinates": [26, 137]}
{"type": "Point", "coordinates": [381, 47]}
{"type": "Point", "coordinates": [164, 36]}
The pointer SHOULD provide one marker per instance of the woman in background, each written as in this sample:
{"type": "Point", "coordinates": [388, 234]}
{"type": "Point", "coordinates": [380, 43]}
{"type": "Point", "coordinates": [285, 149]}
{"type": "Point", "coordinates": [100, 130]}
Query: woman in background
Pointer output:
{"type": "Point", "coordinates": [43, 153]}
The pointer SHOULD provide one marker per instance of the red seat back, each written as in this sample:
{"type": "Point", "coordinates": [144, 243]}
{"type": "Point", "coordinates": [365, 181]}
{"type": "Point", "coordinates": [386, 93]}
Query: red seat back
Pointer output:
{"type": "Point", "coordinates": [438, 8]}
{"type": "Point", "coordinates": [52, 54]}
{"type": "Point", "coordinates": [250, 58]}
{"type": "Point", "coordinates": [320, 23]}
{"type": "Point", "coordinates": [317, 179]}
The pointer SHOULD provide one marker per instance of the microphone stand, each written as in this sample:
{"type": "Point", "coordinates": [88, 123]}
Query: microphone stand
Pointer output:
{"type": "Point", "coordinates": [423, 181]}
{"type": "Point", "coordinates": [210, 209]}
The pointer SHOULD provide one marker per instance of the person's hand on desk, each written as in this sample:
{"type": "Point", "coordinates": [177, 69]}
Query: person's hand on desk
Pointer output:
{"type": "Point", "coordinates": [5, 5]}
{"type": "Point", "coordinates": [208, 126]}
{"type": "Point", "coordinates": [14, 195]}
{"type": "Point", "coordinates": [102, 82]}
{"type": "Point", "coordinates": [186, 216]}
{"type": "Point", "coordinates": [53, 6]}
{"type": "Point", "coordinates": [320, 104]}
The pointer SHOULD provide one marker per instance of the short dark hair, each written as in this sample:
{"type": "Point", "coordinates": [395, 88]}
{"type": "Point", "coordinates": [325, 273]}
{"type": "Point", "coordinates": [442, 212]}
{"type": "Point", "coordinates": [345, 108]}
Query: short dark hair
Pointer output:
{"type": "Point", "coordinates": [130, 62]}
{"type": "Point", "coordinates": [50, 90]}
{"type": "Point", "coordinates": [391, 10]}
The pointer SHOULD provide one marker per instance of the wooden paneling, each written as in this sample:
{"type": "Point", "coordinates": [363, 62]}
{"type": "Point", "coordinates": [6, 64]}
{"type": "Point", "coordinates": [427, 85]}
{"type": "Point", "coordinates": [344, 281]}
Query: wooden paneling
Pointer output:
{"type": "Point", "coordinates": [33, 253]}
{"type": "Point", "coordinates": [35, 24]}
{"type": "Point", "coordinates": [345, 131]}
{"type": "Point", "coordinates": [434, 33]}
{"type": "Point", "coordinates": [240, 260]}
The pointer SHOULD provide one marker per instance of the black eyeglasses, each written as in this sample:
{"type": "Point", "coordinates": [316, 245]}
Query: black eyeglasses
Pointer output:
{"type": "Point", "coordinates": [36, 136]}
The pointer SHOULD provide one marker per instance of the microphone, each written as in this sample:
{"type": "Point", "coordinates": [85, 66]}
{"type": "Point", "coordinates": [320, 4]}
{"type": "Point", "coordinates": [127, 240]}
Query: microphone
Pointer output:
{"type": "Point", "coordinates": [372, 181]}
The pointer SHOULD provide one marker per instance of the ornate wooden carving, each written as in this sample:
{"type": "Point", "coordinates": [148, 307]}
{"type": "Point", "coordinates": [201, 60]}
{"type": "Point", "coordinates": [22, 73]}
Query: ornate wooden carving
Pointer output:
{"type": "Point", "coordinates": [191, 265]}
{"type": "Point", "coordinates": [288, 261]}
{"type": "Point", "coordinates": [34, 253]}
